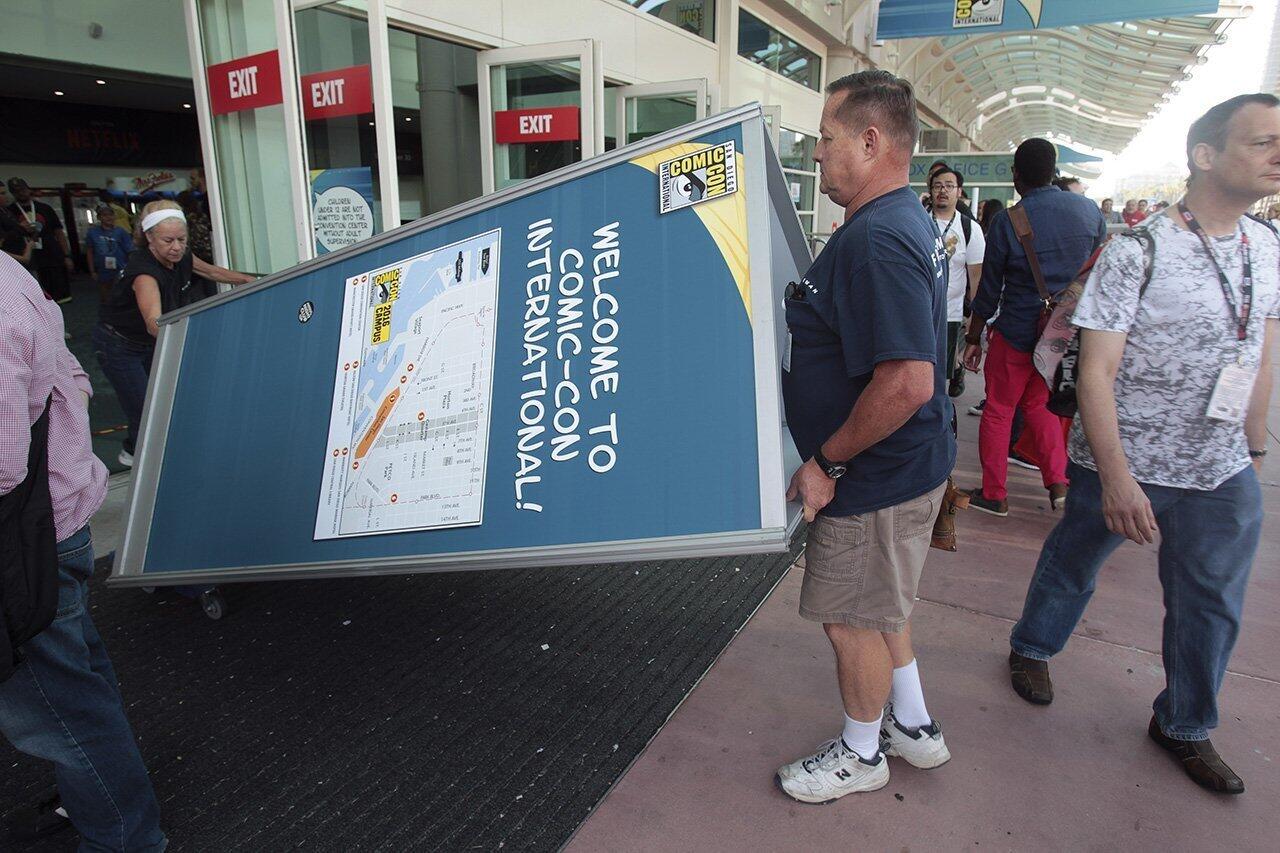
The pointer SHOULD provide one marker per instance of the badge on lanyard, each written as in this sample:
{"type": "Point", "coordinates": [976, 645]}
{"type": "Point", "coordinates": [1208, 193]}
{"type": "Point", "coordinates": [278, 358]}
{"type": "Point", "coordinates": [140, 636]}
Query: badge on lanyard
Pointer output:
{"type": "Point", "coordinates": [1230, 400]}
{"type": "Point", "coordinates": [109, 262]}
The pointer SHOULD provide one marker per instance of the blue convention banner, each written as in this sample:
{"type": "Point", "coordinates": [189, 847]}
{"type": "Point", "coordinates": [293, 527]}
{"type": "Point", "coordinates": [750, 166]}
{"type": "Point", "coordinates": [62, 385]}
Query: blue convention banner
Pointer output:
{"type": "Point", "coordinates": [343, 209]}
{"type": "Point", "coordinates": [571, 366]}
{"type": "Point", "coordinates": [918, 18]}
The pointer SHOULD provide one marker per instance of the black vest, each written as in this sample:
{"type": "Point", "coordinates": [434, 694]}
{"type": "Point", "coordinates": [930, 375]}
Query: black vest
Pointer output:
{"type": "Point", "coordinates": [28, 554]}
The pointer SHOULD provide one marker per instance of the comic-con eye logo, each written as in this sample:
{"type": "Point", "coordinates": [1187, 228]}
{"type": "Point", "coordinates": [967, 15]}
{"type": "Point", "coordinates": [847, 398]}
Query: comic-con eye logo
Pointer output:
{"type": "Point", "coordinates": [306, 311]}
{"type": "Point", "coordinates": [703, 175]}
{"type": "Point", "coordinates": [978, 13]}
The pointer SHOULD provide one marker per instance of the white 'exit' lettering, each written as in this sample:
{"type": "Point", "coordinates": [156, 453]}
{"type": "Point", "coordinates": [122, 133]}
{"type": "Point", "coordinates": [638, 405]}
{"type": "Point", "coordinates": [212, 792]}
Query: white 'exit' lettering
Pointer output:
{"type": "Point", "coordinates": [243, 82]}
{"type": "Point", "coordinates": [327, 93]}
{"type": "Point", "coordinates": [535, 124]}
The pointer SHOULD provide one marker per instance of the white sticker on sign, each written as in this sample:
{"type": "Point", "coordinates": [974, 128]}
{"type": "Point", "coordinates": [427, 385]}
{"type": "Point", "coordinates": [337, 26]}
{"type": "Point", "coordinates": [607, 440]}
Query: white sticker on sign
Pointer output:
{"type": "Point", "coordinates": [342, 217]}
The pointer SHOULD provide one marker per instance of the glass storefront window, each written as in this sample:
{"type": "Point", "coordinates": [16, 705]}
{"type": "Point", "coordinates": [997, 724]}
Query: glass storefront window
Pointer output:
{"type": "Point", "coordinates": [696, 16]}
{"type": "Point", "coordinates": [795, 150]}
{"type": "Point", "coordinates": [764, 45]}
{"type": "Point", "coordinates": [525, 85]}
{"type": "Point", "coordinates": [648, 116]}
{"type": "Point", "coordinates": [337, 108]}
{"type": "Point", "coordinates": [433, 85]}
{"type": "Point", "coordinates": [252, 151]}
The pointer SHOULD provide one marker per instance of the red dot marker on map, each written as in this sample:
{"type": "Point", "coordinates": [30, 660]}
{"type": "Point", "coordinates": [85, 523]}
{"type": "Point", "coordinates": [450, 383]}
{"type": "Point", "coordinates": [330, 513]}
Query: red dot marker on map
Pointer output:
{"type": "Point", "coordinates": [395, 498]}
{"type": "Point", "coordinates": [403, 379]}
{"type": "Point", "coordinates": [346, 366]}
{"type": "Point", "coordinates": [422, 416]}
{"type": "Point", "coordinates": [335, 453]}
{"type": "Point", "coordinates": [344, 451]}
{"type": "Point", "coordinates": [355, 464]}
{"type": "Point", "coordinates": [411, 368]}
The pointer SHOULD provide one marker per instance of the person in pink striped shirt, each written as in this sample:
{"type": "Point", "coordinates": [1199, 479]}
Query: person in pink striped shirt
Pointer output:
{"type": "Point", "coordinates": [62, 702]}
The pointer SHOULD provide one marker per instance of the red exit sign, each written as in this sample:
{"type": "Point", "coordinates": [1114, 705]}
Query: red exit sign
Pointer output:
{"type": "Point", "coordinates": [245, 83]}
{"type": "Point", "coordinates": [544, 124]}
{"type": "Point", "coordinates": [342, 92]}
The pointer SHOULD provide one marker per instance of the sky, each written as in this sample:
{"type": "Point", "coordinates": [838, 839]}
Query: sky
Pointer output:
{"type": "Point", "coordinates": [1232, 69]}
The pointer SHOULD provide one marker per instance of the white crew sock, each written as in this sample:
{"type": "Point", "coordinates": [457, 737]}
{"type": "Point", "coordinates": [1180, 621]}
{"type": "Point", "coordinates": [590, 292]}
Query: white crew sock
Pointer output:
{"type": "Point", "coordinates": [907, 697]}
{"type": "Point", "coordinates": [862, 738]}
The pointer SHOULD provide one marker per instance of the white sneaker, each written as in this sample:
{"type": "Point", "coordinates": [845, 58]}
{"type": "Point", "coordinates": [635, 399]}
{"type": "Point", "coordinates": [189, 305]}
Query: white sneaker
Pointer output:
{"type": "Point", "coordinates": [922, 747]}
{"type": "Point", "coordinates": [125, 458]}
{"type": "Point", "coordinates": [831, 772]}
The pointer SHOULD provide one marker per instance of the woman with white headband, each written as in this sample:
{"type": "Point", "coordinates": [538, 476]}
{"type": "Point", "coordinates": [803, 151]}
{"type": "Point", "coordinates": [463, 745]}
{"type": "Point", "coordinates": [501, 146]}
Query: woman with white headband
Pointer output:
{"type": "Point", "coordinates": [158, 270]}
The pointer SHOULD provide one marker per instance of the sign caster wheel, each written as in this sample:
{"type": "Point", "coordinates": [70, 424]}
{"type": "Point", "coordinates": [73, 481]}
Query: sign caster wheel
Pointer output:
{"type": "Point", "coordinates": [213, 604]}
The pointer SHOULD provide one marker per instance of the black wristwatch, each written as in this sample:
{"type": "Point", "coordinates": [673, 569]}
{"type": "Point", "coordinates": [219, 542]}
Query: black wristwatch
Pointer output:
{"type": "Point", "coordinates": [834, 470]}
{"type": "Point", "coordinates": [1253, 454]}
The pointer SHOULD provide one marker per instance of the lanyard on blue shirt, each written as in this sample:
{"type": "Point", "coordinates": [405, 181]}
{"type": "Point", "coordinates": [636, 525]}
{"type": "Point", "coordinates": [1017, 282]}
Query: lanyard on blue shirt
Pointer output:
{"type": "Point", "coordinates": [1240, 317]}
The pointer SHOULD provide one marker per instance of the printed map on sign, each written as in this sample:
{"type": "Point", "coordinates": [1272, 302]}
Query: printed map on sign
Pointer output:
{"type": "Point", "coordinates": [409, 427]}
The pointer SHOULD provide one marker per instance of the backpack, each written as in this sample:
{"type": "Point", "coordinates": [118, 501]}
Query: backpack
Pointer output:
{"type": "Point", "coordinates": [1058, 359]}
{"type": "Point", "coordinates": [1057, 352]}
{"type": "Point", "coordinates": [28, 554]}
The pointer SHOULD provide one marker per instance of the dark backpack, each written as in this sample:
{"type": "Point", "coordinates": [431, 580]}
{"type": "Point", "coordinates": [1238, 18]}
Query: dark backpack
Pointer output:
{"type": "Point", "coordinates": [28, 554]}
{"type": "Point", "coordinates": [1062, 391]}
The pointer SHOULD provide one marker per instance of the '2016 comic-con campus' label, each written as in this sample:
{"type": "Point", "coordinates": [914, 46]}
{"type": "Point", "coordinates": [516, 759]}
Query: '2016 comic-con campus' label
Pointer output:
{"type": "Point", "coordinates": [409, 427]}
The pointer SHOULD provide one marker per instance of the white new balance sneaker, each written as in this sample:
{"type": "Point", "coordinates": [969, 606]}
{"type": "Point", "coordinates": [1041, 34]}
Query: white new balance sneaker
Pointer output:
{"type": "Point", "coordinates": [125, 458]}
{"type": "Point", "coordinates": [922, 747]}
{"type": "Point", "coordinates": [831, 772]}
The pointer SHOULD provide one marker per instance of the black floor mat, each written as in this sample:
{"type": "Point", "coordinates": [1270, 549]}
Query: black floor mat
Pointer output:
{"type": "Point", "coordinates": [452, 711]}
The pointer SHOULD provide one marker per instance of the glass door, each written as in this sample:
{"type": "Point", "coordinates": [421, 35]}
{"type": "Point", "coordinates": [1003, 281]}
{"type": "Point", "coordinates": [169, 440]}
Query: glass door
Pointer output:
{"type": "Point", "coordinates": [649, 108]}
{"type": "Point", "coordinates": [541, 108]}
{"type": "Point", "coordinates": [340, 132]}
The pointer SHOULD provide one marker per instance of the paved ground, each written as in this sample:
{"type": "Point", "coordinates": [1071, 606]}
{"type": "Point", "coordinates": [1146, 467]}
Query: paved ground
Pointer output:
{"type": "Point", "coordinates": [1077, 775]}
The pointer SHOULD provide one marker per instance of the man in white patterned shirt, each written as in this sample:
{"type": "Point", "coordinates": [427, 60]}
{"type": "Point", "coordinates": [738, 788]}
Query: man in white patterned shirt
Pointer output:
{"type": "Point", "coordinates": [1174, 386]}
{"type": "Point", "coordinates": [62, 701]}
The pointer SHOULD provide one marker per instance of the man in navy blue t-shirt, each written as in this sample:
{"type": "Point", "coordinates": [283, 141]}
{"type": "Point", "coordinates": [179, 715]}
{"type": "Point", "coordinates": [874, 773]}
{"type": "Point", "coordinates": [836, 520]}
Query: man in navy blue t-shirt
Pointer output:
{"type": "Point", "coordinates": [867, 406]}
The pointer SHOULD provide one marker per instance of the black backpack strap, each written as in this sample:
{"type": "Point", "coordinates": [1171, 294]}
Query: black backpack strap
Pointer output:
{"type": "Point", "coordinates": [1147, 241]}
{"type": "Point", "coordinates": [966, 225]}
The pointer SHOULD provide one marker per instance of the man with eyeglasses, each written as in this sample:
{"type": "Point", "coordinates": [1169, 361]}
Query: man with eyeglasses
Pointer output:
{"type": "Point", "coordinates": [965, 244]}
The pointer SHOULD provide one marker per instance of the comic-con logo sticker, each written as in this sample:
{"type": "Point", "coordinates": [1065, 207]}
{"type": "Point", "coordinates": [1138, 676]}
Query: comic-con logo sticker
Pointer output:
{"type": "Point", "coordinates": [701, 176]}
{"type": "Point", "coordinates": [978, 13]}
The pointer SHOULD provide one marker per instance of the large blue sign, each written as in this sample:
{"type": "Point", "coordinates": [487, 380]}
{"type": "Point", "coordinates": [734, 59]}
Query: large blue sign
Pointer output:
{"type": "Point", "coordinates": [579, 370]}
{"type": "Point", "coordinates": [918, 18]}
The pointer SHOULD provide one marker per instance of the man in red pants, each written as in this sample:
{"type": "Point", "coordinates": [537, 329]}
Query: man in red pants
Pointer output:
{"type": "Point", "coordinates": [1067, 228]}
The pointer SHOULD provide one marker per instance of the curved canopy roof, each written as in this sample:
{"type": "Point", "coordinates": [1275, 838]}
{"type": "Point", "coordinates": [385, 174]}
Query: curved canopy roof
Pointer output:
{"type": "Point", "coordinates": [1093, 86]}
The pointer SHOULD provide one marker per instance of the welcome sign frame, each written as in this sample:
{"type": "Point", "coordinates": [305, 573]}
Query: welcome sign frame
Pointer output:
{"type": "Point", "coordinates": [225, 481]}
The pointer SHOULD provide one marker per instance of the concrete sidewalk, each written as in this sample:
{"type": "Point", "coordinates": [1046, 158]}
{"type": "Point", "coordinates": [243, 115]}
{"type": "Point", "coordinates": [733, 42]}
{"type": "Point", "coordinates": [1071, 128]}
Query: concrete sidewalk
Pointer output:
{"type": "Point", "coordinates": [1078, 774]}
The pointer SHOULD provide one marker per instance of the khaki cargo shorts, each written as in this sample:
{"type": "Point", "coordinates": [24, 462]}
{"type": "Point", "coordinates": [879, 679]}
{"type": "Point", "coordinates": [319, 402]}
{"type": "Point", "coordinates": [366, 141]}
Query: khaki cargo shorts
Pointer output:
{"type": "Point", "coordinates": [863, 570]}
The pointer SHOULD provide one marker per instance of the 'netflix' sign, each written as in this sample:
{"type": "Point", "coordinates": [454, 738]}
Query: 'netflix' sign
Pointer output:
{"type": "Point", "coordinates": [245, 84]}
{"type": "Point", "coordinates": [341, 92]}
{"type": "Point", "coordinates": [544, 124]}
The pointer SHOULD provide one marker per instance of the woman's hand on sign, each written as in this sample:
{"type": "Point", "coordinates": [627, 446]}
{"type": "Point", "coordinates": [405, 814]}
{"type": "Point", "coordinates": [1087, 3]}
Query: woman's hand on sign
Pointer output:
{"type": "Point", "coordinates": [812, 487]}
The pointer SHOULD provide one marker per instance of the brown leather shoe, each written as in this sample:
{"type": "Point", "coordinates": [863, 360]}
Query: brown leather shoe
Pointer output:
{"type": "Point", "coordinates": [1200, 761]}
{"type": "Point", "coordinates": [1058, 496]}
{"type": "Point", "coordinates": [944, 528]}
{"type": "Point", "coordinates": [1030, 679]}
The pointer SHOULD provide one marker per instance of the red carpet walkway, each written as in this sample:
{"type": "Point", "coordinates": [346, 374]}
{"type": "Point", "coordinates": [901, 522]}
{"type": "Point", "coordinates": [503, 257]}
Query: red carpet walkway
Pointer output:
{"type": "Point", "coordinates": [1079, 774]}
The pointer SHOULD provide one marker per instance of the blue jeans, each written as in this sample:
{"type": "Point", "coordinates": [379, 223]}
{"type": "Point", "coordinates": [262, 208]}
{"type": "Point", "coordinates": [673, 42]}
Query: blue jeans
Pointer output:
{"type": "Point", "coordinates": [63, 704]}
{"type": "Point", "coordinates": [127, 365]}
{"type": "Point", "coordinates": [1207, 543]}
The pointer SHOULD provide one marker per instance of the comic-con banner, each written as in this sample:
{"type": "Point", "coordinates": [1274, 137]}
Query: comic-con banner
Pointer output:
{"type": "Point", "coordinates": [918, 18]}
